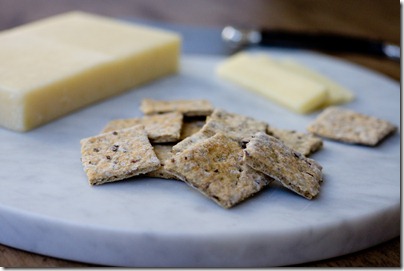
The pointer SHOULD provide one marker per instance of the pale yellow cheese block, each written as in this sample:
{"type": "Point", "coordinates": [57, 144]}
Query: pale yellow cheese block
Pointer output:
{"type": "Point", "coordinates": [56, 65]}
{"type": "Point", "coordinates": [337, 94]}
{"type": "Point", "coordinates": [291, 90]}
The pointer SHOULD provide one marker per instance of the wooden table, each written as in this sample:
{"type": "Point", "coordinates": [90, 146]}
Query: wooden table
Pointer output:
{"type": "Point", "coordinates": [369, 18]}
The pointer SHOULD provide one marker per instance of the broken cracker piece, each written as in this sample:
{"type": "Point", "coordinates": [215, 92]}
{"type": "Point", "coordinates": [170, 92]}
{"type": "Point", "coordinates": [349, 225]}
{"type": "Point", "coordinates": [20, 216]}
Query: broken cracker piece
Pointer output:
{"type": "Point", "coordinates": [117, 155]}
{"type": "Point", "coordinates": [270, 156]}
{"type": "Point", "coordinates": [349, 126]}
{"type": "Point", "coordinates": [215, 167]}
{"type": "Point", "coordinates": [238, 127]}
{"type": "Point", "coordinates": [305, 143]}
{"type": "Point", "coordinates": [161, 128]}
{"type": "Point", "coordinates": [163, 153]}
{"type": "Point", "coordinates": [190, 108]}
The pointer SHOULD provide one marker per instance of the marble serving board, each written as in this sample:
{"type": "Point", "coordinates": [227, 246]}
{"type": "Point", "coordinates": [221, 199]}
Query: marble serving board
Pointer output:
{"type": "Point", "coordinates": [48, 207]}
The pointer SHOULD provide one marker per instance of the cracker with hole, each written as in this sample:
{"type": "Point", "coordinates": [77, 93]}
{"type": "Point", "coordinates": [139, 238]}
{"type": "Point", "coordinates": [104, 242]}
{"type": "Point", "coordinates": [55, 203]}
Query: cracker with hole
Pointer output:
{"type": "Point", "coordinates": [238, 127]}
{"type": "Point", "coordinates": [189, 108]}
{"type": "Point", "coordinates": [117, 155]}
{"type": "Point", "coordinates": [305, 143]}
{"type": "Point", "coordinates": [161, 128]}
{"type": "Point", "coordinates": [348, 126]}
{"type": "Point", "coordinates": [215, 167]}
{"type": "Point", "coordinates": [272, 157]}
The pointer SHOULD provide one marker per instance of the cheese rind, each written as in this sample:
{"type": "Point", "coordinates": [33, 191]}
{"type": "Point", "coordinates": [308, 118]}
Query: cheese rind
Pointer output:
{"type": "Point", "coordinates": [291, 90]}
{"type": "Point", "coordinates": [63, 63]}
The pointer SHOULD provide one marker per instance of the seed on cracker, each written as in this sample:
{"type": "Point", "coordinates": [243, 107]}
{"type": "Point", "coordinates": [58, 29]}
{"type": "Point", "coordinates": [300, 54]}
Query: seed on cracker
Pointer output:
{"type": "Point", "coordinates": [117, 155]}
{"type": "Point", "coordinates": [160, 128]}
{"type": "Point", "coordinates": [163, 153]}
{"type": "Point", "coordinates": [349, 126]}
{"type": "Point", "coordinates": [215, 167]}
{"type": "Point", "coordinates": [270, 156]}
{"type": "Point", "coordinates": [305, 143]}
{"type": "Point", "coordinates": [238, 127]}
{"type": "Point", "coordinates": [189, 108]}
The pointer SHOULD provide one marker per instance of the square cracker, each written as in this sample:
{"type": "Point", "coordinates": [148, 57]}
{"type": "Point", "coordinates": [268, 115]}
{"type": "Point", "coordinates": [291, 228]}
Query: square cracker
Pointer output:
{"type": "Point", "coordinates": [163, 153]}
{"type": "Point", "coordinates": [349, 126]}
{"type": "Point", "coordinates": [160, 128]}
{"type": "Point", "coordinates": [270, 156]}
{"type": "Point", "coordinates": [215, 167]}
{"type": "Point", "coordinates": [190, 108]}
{"type": "Point", "coordinates": [305, 143]}
{"type": "Point", "coordinates": [117, 155]}
{"type": "Point", "coordinates": [238, 127]}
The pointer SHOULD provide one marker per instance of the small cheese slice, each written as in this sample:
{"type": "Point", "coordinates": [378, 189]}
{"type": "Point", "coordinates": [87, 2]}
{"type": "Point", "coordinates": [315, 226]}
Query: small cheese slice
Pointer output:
{"type": "Point", "coordinates": [57, 65]}
{"type": "Point", "coordinates": [337, 94]}
{"type": "Point", "coordinates": [289, 89]}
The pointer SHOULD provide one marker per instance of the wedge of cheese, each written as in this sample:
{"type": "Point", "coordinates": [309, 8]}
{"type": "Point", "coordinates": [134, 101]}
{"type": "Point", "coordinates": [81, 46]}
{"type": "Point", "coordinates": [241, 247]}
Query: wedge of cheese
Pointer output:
{"type": "Point", "coordinates": [54, 66]}
{"type": "Point", "coordinates": [256, 73]}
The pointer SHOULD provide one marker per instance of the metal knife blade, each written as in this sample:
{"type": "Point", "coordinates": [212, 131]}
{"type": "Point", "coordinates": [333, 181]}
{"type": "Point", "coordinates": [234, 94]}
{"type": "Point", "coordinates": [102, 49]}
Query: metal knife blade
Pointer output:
{"type": "Point", "coordinates": [237, 38]}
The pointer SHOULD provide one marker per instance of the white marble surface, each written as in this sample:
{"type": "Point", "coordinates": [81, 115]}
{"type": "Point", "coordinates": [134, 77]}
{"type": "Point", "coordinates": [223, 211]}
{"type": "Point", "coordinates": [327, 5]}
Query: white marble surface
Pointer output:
{"type": "Point", "coordinates": [47, 206]}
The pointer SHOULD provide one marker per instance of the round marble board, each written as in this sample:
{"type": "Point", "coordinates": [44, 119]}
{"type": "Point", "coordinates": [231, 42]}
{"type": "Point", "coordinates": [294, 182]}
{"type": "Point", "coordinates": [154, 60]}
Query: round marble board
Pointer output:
{"type": "Point", "coordinates": [48, 207]}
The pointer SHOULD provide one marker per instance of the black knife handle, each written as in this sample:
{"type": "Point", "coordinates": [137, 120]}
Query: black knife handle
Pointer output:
{"type": "Point", "coordinates": [322, 41]}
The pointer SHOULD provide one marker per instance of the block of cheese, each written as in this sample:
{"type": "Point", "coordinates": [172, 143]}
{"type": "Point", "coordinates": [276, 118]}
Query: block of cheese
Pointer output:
{"type": "Point", "coordinates": [337, 94]}
{"type": "Point", "coordinates": [289, 89]}
{"type": "Point", "coordinates": [57, 65]}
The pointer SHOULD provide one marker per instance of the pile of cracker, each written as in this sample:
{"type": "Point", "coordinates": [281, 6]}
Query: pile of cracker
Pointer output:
{"type": "Point", "coordinates": [227, 157]}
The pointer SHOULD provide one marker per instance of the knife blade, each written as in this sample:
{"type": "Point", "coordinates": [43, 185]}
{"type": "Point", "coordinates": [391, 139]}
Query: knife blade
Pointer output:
{"type": "Point", "coordinates": [237, 37]}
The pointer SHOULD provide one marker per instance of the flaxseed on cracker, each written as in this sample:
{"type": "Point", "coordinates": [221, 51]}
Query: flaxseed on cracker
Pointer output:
{"type": "Point", "coordinates": [305, 143]}
{"type": "Point", "coordinates": [186, 107]}
{"type": "Point", "coordinates": [215, 167]}
{"type": "Point", "coordinates": [117, 155]}
{"type": "Point", "coordinates": [270, 156]}
{"type": "Point", "coordinates": [238, 127]}
{"type": "Point", "coordinates": [161, 128]}
{"type": "Point", "coordinates": [349, 126]}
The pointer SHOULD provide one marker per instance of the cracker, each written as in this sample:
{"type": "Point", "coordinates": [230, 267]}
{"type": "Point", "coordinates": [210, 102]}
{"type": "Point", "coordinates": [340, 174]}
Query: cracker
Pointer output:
{"type": "Point", "coordinates": [189, 108]}
{"type": "Point", "coordinates": [117, 155]}
{"type": "Point", "coordinates": [161, 128]}
{"type": "Point", "coordinates": [238, 127]}
{"type": "Point", "coordinates": [270, 156]}
{"type": "Point", "coordinates": [349, 126]}
{"type": "Point", "coordinates": [163, 153]}
{"type": "Point", "coordinates": [305, 143]}
{"type": "Point", "coordinates": [190, 127]}
{"type": "Point", "coordinates": [215, 167]}
{"type": "Point", "coordinates": [121, 124]}
{"type": "Point", "coordinates": [191, 140]}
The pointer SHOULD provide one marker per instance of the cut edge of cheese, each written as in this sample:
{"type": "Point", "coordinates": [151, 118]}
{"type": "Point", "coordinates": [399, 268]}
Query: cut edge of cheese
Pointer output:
{"type": "Point", "coordinates": [51, 101]}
